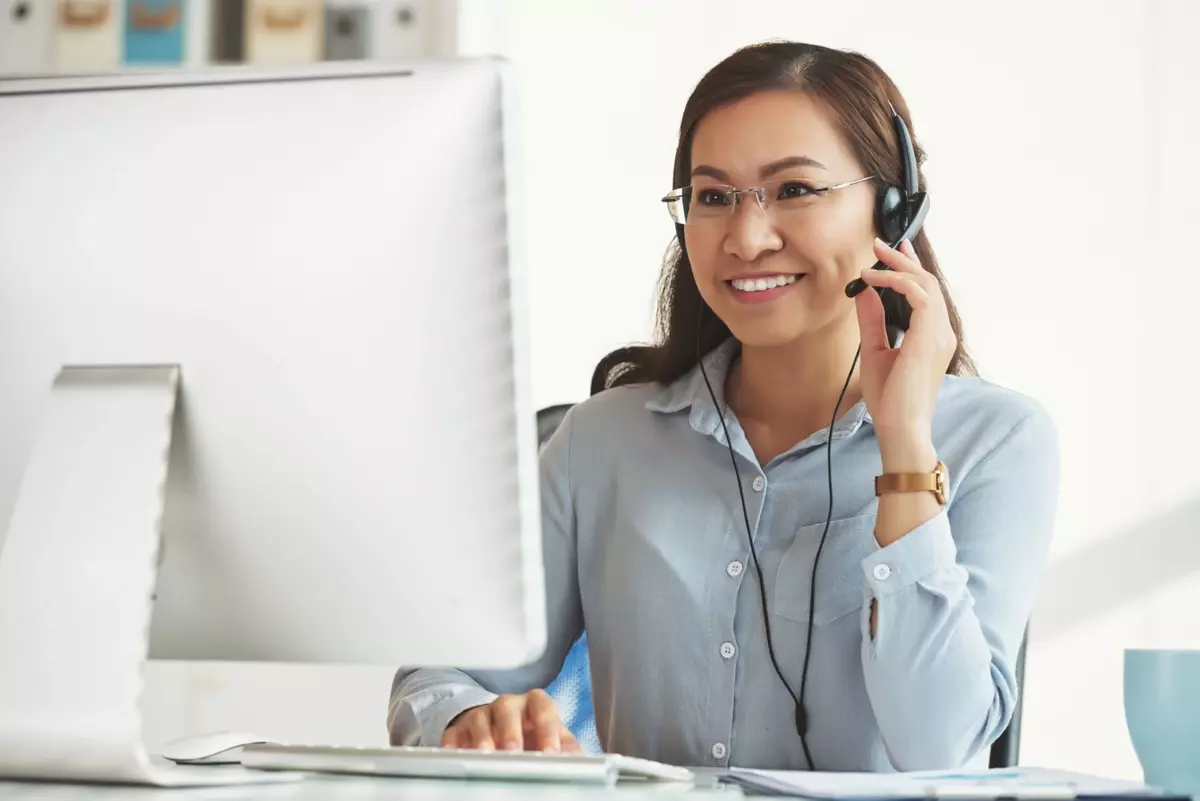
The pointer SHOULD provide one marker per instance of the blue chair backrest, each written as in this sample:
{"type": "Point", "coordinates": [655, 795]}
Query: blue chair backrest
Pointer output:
{"type": "Point", "coordinates": [572, 692]}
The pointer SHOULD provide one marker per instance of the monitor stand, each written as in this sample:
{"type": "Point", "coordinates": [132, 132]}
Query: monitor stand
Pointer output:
{"type": "Point", "coordinates": [78, 569]}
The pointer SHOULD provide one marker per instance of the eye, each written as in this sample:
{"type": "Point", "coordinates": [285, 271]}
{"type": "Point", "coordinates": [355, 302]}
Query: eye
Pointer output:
{"type": "Point", "coordinates": [793, 190]}
{"type": "Point", "coordinates": [712, 197]}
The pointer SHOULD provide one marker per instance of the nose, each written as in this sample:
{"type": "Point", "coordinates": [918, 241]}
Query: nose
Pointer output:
{"type": "Point", "coordinates": [751, 233]}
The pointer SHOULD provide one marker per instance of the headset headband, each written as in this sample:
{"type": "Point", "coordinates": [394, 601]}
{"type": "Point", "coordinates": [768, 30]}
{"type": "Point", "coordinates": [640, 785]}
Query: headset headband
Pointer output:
{"type": "Point", "coordinates": [908, 155]}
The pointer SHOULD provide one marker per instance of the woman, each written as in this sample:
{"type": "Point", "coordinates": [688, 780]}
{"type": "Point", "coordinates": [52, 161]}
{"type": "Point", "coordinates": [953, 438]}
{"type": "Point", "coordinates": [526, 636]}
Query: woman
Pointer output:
{"type": "Point", "coordinates": [700, 638]}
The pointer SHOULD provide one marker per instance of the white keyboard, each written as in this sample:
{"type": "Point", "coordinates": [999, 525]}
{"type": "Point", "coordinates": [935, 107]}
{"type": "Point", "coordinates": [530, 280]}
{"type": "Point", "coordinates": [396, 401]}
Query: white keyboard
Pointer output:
{"type": "Point", "coordinates": [455, 763]}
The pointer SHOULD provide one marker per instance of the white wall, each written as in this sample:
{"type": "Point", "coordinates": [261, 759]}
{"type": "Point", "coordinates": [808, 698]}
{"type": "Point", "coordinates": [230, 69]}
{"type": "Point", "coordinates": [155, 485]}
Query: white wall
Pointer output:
{"type": "Point", "coordinates": [1063, 194]}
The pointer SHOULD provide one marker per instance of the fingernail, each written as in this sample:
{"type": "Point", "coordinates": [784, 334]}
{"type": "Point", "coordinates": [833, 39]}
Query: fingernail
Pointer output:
{"type": "Point", "coordinates": [880, 242]}
{"type": "Point", "coordinates": [512, 745]}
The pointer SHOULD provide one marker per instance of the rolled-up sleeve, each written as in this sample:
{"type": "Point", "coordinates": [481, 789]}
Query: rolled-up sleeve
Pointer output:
{"type": "Point", "coordinates": [953, 597]}
{"type": "Point", "coordinates": [425, 700]}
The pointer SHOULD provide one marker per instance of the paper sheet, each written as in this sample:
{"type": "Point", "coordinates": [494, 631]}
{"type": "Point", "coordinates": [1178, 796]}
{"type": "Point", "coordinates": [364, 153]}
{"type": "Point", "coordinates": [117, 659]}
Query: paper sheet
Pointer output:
{"type": "Point", "coordinates": [1032, 783]}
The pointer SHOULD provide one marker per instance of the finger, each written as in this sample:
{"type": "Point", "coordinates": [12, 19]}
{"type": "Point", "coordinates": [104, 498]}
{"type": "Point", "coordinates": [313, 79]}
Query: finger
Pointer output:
{"type": "Point", "coordinates": [902, 260]}
{"type": "Point", "coordinates": [542, 713]}
{"type": "Point", "coordinates": [872, 325]}
{"type": "Point", "coordinates": [506, 724]}
{"type": "Point", "coordinates": [450, 737]}
{"type": "Point", "coordinates": [906, 285]}
{"type": "Point", "coordinates": [479, 729]}
{"type": "Point", "coordinates": [569, 744]}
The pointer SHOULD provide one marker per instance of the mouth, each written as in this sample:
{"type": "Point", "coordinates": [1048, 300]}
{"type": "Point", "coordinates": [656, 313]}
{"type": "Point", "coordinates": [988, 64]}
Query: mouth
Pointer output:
{"type": "Point", "coordinates": [760, 289]}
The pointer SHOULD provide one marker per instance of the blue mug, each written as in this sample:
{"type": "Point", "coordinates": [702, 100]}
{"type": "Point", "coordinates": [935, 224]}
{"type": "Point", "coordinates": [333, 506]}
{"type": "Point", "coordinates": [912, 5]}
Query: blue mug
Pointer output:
{"type": "Point", "coordinates": [1162, 713]}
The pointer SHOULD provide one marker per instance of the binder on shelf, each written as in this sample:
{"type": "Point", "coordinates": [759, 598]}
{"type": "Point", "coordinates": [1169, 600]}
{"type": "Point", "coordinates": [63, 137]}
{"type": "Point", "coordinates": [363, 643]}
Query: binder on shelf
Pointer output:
{"type": "Point", "coordinates": [348, 31]}
{"type": "Point", "coordinates": [284, 31]}
{"type": "Point", "coordinates": [227, 24]}
{"type": "Point", "coordinates": [87, 35]}
{"type": "Point", "coordinates": [155, 31]}
{"type": "Point", "coordinates": [26, 27]}
{"type": "Point", "coordinates": [198, 50]}
{"type": "Point", "coordinates": [403, 30]}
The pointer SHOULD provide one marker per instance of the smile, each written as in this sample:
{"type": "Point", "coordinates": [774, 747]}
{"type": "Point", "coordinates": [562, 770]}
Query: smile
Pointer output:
{"type": "Point", "coordinates": [764, 283]}
{"type": "Point", "coordinates": [762, 288]}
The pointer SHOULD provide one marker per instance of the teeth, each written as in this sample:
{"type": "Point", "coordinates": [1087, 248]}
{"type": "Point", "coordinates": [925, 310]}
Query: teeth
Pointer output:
{"type": "Point", "coordinates": [762, 284]}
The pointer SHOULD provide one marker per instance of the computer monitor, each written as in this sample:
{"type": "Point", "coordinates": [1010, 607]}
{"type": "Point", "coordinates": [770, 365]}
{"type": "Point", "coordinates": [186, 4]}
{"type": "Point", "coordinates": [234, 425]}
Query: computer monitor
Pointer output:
{"type": "Point", "coordinates": [315, 276]}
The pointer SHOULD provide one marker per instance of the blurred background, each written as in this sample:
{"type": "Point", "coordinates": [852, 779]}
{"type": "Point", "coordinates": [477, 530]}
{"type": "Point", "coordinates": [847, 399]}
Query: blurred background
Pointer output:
{"type": "Point", "coordinates": [102, 35]}
{"type": "Point", "coordinates": [1061, 137]}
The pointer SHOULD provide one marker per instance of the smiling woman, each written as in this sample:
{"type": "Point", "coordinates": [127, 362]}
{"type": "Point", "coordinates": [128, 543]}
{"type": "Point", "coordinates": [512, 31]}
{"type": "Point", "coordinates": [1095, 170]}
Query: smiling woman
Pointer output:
{"type": "Point", "coordinates": [889, 512]}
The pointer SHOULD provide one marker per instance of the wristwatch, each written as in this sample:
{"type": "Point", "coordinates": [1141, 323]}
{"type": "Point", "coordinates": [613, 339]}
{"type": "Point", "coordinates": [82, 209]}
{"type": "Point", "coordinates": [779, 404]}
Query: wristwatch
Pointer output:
{"type": "Point", "coordinates": [935, 482]}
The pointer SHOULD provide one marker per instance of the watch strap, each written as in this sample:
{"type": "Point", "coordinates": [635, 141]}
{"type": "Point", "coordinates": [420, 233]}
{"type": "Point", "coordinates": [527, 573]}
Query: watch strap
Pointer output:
{"type": "Point", "coordinates": [934, 482]}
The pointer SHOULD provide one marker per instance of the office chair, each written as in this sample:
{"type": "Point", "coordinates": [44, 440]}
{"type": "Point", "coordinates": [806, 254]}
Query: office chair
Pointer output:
{"type": "Point", "coordinates": [572, 691]}
{"type": "Point", "coordinates": [1006, 749]}
{"type": "Point", "coordinates": [548, 421]}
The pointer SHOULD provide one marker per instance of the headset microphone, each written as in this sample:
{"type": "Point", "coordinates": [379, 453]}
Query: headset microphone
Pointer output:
{"type": "Point", "coordinates": [899, 211]}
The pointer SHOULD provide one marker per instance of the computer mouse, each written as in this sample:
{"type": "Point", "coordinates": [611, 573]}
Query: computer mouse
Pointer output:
{"type": "Point", "coordinates": [218, 748]}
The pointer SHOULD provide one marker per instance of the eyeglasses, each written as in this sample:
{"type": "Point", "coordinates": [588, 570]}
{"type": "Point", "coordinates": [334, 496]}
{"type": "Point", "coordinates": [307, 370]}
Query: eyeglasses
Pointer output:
{"type": "Point", "coordinates": [700, 203]}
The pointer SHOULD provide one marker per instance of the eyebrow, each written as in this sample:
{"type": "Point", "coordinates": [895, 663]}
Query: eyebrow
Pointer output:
{"type": "Point", "coordinates": [767, 171]}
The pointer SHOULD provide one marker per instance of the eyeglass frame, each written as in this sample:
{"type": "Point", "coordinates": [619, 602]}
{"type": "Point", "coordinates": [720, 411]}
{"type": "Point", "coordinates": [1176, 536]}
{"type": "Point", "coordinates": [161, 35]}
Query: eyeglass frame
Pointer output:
{"type": "Point", "coordinates": [734, 194]}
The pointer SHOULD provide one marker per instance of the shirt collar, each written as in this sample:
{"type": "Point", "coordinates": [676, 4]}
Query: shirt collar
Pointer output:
{"type": "Point", "coordinates": [690, 392]}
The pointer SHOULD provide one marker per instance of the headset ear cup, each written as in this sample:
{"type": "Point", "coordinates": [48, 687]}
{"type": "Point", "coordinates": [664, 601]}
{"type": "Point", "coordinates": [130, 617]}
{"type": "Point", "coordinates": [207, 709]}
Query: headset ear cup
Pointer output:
{"type": "Point", "coordinates": [891, 213]}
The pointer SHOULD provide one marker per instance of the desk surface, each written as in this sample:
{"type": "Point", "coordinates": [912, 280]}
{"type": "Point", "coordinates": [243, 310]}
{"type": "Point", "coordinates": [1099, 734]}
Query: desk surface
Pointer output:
{"type": "Point", "coordinates": [334, 788]}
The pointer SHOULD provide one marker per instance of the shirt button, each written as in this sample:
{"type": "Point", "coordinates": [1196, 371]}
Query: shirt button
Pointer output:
{"type": "Point", "coordinates": [734, 568]}
{"type": "Point", "coordinates": [759, 483]}
{"type": "Point", "coordinates": [718, 750]}
{"type": "Point", "coordinates": [881, 572]}
{"type": "Point", "coordinates": [728, 650]}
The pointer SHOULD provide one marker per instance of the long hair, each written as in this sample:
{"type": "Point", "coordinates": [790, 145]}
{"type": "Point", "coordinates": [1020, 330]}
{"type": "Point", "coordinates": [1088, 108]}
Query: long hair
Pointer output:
{"type": "Point", "coordinates": [858, 93]}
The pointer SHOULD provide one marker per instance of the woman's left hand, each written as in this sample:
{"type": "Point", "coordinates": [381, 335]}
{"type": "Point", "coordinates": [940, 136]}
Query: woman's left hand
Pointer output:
{"type": "Point", "coordinates": [900, 385]}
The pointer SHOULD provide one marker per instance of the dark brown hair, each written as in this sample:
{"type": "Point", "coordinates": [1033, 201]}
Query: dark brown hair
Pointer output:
{"type": "Point", "coordinates": [858, 93]}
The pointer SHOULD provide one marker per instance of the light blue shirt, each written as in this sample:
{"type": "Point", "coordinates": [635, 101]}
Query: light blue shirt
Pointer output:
{"type": "Point", "coordinates": [645, 543]}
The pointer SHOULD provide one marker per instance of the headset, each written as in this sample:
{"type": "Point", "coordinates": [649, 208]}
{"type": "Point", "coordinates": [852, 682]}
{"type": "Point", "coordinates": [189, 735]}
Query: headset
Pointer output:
{"type": "Point", "coordinates": [899, 213]}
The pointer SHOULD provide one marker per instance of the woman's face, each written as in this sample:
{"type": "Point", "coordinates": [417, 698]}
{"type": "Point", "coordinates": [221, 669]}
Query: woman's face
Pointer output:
{"type": "Point", "coordinates": [804, 248]}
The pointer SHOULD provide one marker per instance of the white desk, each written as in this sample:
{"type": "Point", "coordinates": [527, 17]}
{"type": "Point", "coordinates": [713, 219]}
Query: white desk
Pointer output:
{"type": "Point", "coordinates": [353, 788]}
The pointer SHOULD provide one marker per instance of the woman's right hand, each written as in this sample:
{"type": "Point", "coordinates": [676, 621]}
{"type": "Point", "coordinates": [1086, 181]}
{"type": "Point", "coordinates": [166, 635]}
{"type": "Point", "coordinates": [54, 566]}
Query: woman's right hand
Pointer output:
{"type": "Point", "coordinates": [528, 722]}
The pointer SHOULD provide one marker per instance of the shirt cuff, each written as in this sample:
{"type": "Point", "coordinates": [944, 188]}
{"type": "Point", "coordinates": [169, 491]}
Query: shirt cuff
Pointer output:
{"type": "Point", "coordinates": [448, 709]}
{"type": "Point", "coordinates": [921, 552]}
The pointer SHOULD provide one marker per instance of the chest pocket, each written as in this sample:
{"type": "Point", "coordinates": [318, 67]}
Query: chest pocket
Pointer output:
{"type": "Point", "coordinates": [839, 576]}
